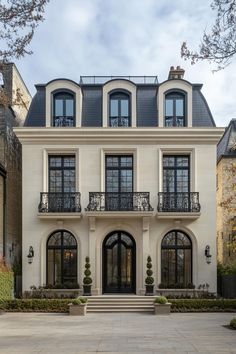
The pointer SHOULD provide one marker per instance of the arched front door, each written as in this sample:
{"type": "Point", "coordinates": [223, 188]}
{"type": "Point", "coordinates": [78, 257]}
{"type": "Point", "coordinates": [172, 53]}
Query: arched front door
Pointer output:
{"type": "Point", "coordinates": [119, 254]}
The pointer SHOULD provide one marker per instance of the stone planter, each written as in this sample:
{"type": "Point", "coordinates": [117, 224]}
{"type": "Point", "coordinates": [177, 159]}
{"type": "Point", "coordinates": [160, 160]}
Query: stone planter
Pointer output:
{"type": "Point", "coordinates": [162, 309]}
{"type": "Point", "coordinates": [77, 310]}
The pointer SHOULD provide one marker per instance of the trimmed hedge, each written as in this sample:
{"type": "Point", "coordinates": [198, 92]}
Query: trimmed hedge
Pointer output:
{"type": "Point", "coordinates": [203, 305]}
{"type": "Point", "coordinates": [61, 305]}
{"type": "Point", "coordinates": [6, 284]}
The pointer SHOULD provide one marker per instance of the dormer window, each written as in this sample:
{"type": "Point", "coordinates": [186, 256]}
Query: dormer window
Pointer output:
{"type": "Point", "coordinates": [63, 110]}
{"type": "Point", "coordinates": [119, 110]}
{"type": "Point", "coordinates": [175, 110]}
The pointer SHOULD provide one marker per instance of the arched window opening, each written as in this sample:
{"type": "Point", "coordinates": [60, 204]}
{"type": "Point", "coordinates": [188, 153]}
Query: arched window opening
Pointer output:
{"type": "Point", "coordinates": [63, 109]}
{"type": "Point", "coordinates": [61, 258]}
{"type": "Point", "coordinates": [175, 115]}
{"type": "Point", "coordinates": [176, 260]}
{"type": "Point", "coordinates": [119, 110]}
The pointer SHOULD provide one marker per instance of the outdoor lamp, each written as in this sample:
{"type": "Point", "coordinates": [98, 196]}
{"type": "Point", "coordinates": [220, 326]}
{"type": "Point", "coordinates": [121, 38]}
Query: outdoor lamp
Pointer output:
{"type": "Point", "coordinates": [30, 255]}
{"type": "Point", "coordinates": [207, 254]}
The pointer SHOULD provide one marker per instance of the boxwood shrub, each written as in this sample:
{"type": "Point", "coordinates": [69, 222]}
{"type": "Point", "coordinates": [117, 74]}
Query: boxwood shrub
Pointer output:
{"type": "Point", "coordinates": [203, 305]}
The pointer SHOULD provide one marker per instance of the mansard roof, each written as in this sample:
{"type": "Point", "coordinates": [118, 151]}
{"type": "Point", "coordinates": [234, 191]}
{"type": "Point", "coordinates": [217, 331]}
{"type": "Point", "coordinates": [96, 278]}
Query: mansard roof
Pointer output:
{"type": "Point", "coordinates": [227, 144]}
{"type": "Point", "coordinates": [147, 106]}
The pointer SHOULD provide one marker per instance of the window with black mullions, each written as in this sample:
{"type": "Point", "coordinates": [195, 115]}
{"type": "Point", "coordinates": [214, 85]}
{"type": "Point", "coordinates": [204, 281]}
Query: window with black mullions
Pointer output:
{"type": "Point", "coordinates": [176, 259]}
{"type": "Point", "coordinates": [63, 109]}
{"type": "Point", "coordinates": [119, 182]}
{"type": "Point", "coordinates": [61, 258]}
{"type": "Point", "coordinates": [175, 110]}
{"type": "Point", "coordinates": [119, 110]}
{"type": "Point", "coordinates": [62, 182]}
{"type": "Point", "coordinates": [176, 182]}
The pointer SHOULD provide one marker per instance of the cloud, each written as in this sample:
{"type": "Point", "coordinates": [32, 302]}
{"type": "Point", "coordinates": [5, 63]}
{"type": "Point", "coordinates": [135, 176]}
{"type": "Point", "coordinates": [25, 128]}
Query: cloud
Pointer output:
{"type": "Point", "coordinates": [135, 37]}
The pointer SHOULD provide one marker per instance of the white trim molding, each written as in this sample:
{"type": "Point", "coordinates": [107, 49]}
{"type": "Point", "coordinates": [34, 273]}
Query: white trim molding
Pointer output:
{"type": "Point", "coordinates": [61, 84]}
{"type": "Point", "coordinates": [175, 85]}
{"type": "Point", "coordinates": [118, 84]}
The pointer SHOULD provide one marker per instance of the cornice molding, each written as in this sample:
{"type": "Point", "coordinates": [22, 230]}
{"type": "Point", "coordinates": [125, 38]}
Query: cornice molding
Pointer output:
{"type": "Point", "coordinates": [51, 135]}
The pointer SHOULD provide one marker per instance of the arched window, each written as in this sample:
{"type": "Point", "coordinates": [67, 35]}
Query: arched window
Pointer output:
{"type": "Point", "coordinates": [175, 110]}
{"type": "Point", "coordinates": [61, 258]}
{"type": "Point", "coordinates": [176, 259]}
{"type": "Point", "coordinates": [63, 109]}
{"type": "Point", "coordinates": [119, 110]}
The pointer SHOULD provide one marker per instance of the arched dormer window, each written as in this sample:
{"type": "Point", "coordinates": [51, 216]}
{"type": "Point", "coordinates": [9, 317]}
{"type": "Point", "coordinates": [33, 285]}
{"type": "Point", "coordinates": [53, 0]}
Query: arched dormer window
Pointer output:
{"type": "Point", "coordinates": [63, 109]}
{"type": "Point", "coordinates": [175, 110]}
{"type": "Point", "coordinates": [119, 108]}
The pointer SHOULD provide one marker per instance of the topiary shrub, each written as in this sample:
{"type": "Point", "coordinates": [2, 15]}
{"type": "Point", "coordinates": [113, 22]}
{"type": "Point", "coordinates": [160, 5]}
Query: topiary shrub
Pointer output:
{"type": "Point", "coordinates": [6, 281]}
{"type": "Point", "coordinates": [149, 279]}
{"type": "Point", "coordinates": [87, 279]}
{"type": "Point", "coordinates": [233, 323]}
{"type": "Point", "coordinates": [79, 301]}
{"type": "Point", "coordinates": [162, 300]}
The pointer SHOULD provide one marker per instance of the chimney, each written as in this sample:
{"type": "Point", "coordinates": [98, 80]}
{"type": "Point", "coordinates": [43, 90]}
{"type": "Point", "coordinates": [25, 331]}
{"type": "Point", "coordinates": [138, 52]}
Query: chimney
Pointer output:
{"type": "Point", "coordinates": [177, 73]}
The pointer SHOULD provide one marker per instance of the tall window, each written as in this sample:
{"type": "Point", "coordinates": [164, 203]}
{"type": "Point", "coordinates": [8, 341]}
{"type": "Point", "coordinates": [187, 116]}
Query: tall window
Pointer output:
{"type": "Point", "coordinates": [176, 174]}
{"type": "Point", "coordinates": [61, 258]}
{"type": "Point", "coordinates": [63, 110]}
{"type": "Point", "coordinates": [119, 110]}
{"type": "Point", "coordinates": [175, 110]}
{"type": "Point", "coordinates": [61, 174]}
{"type": "Point", "coordinates": [176, 259]}
{"type": "Point", "coordinates": [62, 196]}
{"type": "Point", "coordinates": [119, 182]}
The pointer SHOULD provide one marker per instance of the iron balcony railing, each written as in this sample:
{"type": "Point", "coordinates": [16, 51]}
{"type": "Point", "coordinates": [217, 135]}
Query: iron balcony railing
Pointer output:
{"type": "Point", "coordinates": [178, 202]}
{"type": "Point", "coordinates": [119, 121]}
{"type": "Point", "coordinates": [63, 121]}
{"type": "Point", "coordinates": [59, 202]}
{"type": "Point", "coordinates": [127, 201]}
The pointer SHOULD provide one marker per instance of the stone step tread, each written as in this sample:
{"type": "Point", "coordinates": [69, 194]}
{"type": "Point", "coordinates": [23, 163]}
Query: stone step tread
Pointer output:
{"type": "Point", "coordinates": [119, 306]}
{"type": "Point", "coordinates": [119, 310]}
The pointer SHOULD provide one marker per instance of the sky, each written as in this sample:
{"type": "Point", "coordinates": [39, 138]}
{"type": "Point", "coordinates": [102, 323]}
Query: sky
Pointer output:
{"type": "Point", "coordinates": [127, 37]}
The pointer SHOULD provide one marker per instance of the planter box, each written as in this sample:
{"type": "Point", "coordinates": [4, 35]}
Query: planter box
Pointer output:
{"type": "Point", "coordinates": [162, 309]}
{"type": "Point", "coordinates": [77, 310]}
{"type": "Point", "coordinates": [60, 293]}
{"type": "Point", "coordinates": [181, 292]}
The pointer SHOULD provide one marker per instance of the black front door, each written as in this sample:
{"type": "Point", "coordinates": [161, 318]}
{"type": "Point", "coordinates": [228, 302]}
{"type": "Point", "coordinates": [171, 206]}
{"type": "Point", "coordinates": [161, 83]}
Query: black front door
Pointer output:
{"type": "Point", "coordinates": [119, 263]}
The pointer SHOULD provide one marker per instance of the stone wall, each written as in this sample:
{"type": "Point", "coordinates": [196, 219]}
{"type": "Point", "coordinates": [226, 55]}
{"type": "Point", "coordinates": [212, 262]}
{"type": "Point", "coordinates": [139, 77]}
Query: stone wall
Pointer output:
{"type": "Point", "coordinates": [226, 207]}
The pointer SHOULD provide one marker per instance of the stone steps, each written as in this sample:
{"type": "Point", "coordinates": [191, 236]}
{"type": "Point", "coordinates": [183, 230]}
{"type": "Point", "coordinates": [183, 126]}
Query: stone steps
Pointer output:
{"type": "Point", "coordinates": [120, 303]}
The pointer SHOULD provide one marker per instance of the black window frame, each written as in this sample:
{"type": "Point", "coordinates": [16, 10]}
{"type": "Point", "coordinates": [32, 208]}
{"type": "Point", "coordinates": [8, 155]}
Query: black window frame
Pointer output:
{"type": "Point", "coordinates": [119, 168]}
{"type": "Point", "coordinates": [61, 247]}
{"type": "Point", "coordinates": [65, 94]}
{"type": "Point", "coordinates": [174, 96]}
{"type": "Point", "coordinates": [61, 168]}
{"type": "Point", "coordinates": [176, 168]}
{"type": "Point", "coordinates": [120, 95]}
{"type": "Point", "coordinates": [177, 247]}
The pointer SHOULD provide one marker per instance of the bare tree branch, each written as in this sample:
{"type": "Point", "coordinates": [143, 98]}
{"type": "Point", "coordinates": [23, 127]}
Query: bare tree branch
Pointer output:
{"type": "Point", "coordinates": [219, 45]}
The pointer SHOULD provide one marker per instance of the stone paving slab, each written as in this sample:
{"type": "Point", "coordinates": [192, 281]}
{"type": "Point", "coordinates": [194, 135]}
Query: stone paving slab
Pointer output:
{"type": "Point", "coordinates": [116, 333]}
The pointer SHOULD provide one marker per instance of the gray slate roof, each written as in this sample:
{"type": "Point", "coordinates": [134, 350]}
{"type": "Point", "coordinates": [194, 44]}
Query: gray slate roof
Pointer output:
{"type": "Point", "coordinates": [228, 140]}
{"type": "Point", "coordinates": [147, 110]}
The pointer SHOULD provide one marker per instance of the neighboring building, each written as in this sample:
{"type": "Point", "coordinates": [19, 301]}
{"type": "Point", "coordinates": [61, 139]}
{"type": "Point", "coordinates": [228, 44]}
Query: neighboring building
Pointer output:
{"type": "Point", "coordinates": [16, 99]}
{"type": "Point", "coordinates": [226, 194]}
{"type": "Point", "coordinates": [117, 169]}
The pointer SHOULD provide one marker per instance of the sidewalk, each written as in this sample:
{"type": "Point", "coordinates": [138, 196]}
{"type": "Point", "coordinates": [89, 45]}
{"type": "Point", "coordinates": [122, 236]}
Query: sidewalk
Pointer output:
{"type": "Point", "coordinates": [25, 333]}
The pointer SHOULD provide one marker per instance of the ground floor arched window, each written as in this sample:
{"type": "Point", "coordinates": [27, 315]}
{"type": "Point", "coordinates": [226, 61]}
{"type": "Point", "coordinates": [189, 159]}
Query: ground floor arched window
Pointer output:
{"type": "Point", "coordinates": [176, 259]}
{"type": "Point", "coordinates": [61, 258]}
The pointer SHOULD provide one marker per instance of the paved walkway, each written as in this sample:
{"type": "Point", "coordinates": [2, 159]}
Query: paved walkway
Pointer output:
{"type": "Point", "coordinates": [25, 333]}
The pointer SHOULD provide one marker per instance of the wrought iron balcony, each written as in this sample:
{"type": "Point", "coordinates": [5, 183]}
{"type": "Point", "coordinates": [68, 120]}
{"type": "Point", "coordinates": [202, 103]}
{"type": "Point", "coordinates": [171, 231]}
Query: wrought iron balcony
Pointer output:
{"type": "Point", "coordinates": [63, 121]}
{"type": "Point", "coordinates": [119, 121]}
{"type": "Point", "coordinates": [59, 203]}
{"type": "Point", "coordinates": [135, 201]}
{"type": "Point", "coordinates": [178, 202]}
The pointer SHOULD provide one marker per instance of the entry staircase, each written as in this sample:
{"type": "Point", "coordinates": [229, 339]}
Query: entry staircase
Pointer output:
{"type": "Point", "coordinates": [120, 303]}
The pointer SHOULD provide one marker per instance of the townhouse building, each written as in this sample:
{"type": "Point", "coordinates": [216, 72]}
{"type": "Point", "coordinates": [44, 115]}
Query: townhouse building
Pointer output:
{"type": "Point", "coordinates": [119, 168]}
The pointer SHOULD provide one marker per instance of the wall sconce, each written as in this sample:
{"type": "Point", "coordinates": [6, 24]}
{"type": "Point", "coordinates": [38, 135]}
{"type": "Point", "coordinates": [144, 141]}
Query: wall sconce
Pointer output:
{"type": "Point", "coordinates": [30, 255]}
{"type": "Point", "coordinates": [207, 254]}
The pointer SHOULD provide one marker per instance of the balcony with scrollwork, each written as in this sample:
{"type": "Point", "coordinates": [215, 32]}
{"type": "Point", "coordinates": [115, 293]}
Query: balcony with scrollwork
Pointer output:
{"type": "Point", "coordinates": [64, 121]}
{"type": "Point", "coordinates": [116, 204]}
{"type": "Point", "coordinates": [183, 204]}
{"type": "Point", "coordinates": [65, 205]}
